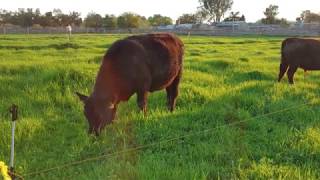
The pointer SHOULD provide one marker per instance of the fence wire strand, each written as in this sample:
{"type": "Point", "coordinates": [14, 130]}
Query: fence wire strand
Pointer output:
{"type": "Point", "coordinates": [66, 165]}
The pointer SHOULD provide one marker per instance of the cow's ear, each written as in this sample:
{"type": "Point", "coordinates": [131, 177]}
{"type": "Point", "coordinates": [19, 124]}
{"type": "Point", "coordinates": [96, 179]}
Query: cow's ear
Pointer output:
{"type": "Point", "coordinates": [82, 97]}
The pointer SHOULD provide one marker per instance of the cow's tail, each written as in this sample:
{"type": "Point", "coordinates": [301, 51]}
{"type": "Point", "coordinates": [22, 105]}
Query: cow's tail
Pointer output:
{"type": "Point", "coordinates": [283, 64]}
{"type": "Point", "coordinates": [284, 58]}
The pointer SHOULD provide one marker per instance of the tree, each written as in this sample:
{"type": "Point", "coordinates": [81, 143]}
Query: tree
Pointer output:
{"type": "Point", "coordinates": [242, 18]}
{"type": "Point", "coordinates": [271, 12]}
{"type": "Point", "coordinates": [201, 15]}
{"type": "Point", "coordinates": [5, 17]}
{"type": "Point", "coordinates": [158, 20]}
{"type": "Point", "coordinates": [283, 22]}
{"type": "Point", "coordinates": [75, 18]}
{"type": "Point", "coordinates": [234, 16]}
{"type": "Point", "coordinates": [110, 21]}
{"type": "Point", "coordinates": [131, 20]}
{"type": "Point", "coordinates": [93, 20]}
{"type": "Point", "coordinates": [187, 19]}
{"type": "Point", "coordinates": [57, 13]}
{"type": "Point", "coordinates": [47, 19]}
{"type": "Point", "coordinates": [309, 17]}
{"type": "Point", "coordinates": [216, 8]}
{"type": "Point", "coordinates": [24, 18]}
{"type": "Point", "coordinates": [29, 17]}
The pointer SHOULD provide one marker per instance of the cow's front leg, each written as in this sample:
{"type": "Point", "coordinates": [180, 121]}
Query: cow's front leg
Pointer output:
{"type": "Point", "coordinates": [290, 73]}
{"type": "Point", "coordinates": [142, 97]}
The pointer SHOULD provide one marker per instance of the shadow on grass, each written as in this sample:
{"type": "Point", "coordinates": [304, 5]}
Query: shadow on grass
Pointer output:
{"type": "Point", "coordinates": [53, 46]}
{"type": "Point", "coordinates": [236, 141]}
{"type": "Point", "coordinates": [239, 77]}
{"type": "Point", "coordinates": [222, 42]}
{"type": "Point", "coordinates": [95, 60]}
{"type": "Point", "coordinates": [215, 66]}
{"type": "Point", "coordinates": [104, 46]}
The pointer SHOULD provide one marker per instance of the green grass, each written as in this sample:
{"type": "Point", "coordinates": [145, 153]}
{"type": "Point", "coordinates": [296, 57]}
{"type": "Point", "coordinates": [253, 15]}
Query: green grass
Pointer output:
{"type": "Point", "coordinates": [226, 80]}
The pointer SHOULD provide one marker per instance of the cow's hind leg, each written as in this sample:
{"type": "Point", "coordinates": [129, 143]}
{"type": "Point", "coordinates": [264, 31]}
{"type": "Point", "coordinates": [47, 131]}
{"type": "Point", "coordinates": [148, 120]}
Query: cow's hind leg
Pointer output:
{"type": "Point", "coordinates": [282, 70]}
{"type": "Point", "coordinates": [290, 73]}
{"type": "Point", "coordinates": [172, 92]}
{"type": "Point", "coordinates": [142, 97]}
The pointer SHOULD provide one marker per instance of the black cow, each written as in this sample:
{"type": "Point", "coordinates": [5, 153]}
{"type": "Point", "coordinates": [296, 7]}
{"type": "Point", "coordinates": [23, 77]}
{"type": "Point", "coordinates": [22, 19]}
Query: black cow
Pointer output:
{"type": "Point", "coordinates": [295, 53]}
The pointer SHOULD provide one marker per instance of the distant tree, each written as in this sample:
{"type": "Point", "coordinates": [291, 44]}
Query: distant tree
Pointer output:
{"type": "Point", "coordinates": [131, 20]}
{"type": "Point", "coordinates": [24, 18]}
{"type": "Point", "coordinates": [309, 17]}
{"type": "Point", "coordinates": [234, 16]}
{"type": "Point", "coordinates": [283, 22]}
{"type": "Point", "coordinates": [75, 18]}
{"type": "Point", "coordinates": [271, 13]}
{"type": "Point", "coordinates": [216, 8]}
{"type": "Point", "coordinates": [304, 14]}
{"type": "Point", "coordinates": [29, 17]}
{"type": "Point", "coordinates": [187, 19]}
{"type": "Point", "coordinates": [298, 20]}
{"type": "Point", "coordinates": [242, 18]}
{"type": "Point", "coordinates": [93, 20]}
{"type": "Point", "coordinates": [158, 20]}
{"type": "Point", "coordinates": [47, 20]}
{"type": "Point", "coordinates": [57, 14]}
{"type": "Point", "coordinates": [110, 21]}
{"type": "Point", "coordinates": [5, 17]}
{"type": "Point", "coordinates": [201, 15]}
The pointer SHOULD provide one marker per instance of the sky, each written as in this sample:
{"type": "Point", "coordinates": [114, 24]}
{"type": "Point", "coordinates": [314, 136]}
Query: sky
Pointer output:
{"type": "Point", "coordinates": [252, 9]}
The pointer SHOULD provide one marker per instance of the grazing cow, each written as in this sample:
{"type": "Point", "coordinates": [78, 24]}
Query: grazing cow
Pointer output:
{"type": "Point", "coordinates": [295, 53]}
{"type": "Point", "coordinates": [137, 64]}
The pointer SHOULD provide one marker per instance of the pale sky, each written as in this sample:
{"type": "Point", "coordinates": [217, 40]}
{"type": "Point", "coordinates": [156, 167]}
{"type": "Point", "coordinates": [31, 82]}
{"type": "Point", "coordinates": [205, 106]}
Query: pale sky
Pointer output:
{"type": "Point", "coordinates": [252, 9]}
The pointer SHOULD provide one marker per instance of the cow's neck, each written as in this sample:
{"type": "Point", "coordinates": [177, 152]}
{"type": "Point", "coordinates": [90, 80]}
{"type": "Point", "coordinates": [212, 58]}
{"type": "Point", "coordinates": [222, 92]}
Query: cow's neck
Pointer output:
{"type": "Point", "coordinates": [103, 88]}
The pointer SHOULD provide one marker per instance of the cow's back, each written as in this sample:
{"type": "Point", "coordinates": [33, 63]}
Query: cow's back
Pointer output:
{"type": "Point", "coordinates": [133, 62]}
{"type": "Point", "coordinates": [304, 53]}
{"type": "Point", "coordinates": [164, 57]}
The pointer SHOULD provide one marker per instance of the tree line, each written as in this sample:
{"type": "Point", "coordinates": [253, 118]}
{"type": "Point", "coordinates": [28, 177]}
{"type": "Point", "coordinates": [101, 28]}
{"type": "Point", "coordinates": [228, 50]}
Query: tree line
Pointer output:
{"type": "Point", "coordinates": [209, 11]}
{"type": "Point", "coordinates": [32, 17]}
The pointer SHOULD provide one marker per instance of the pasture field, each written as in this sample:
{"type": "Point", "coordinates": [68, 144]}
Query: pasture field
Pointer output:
{"type": "Point", "coordinates": [226, 81]}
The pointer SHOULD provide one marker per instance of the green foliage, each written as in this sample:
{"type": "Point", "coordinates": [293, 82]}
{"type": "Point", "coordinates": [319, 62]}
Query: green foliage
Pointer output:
{"type": "Point", "coordinates": [226, 80]}
{"type": "Point", "coordinates": [158, 20]}
{"type": "Point", "coordinates": [110, 21]}
{"type": "Point", "coordinates": [216, 8]}
{"type": "Point", "coordinates": [283, 22]}
{"type": "Point", "coordinates": [131, 20]}
{"type": "Point", "coordinates": [271, 13]}
{"type": "Point", "coordinates": [234, 16]}
{"type": "Point", "coordinates": [93, 20]}
{"type": "Point", "coordinates": [309, 17]}
{"type": "Point", "coordinates": [29, 17]}
{"type": "Point", "coordinates": [187, 19]}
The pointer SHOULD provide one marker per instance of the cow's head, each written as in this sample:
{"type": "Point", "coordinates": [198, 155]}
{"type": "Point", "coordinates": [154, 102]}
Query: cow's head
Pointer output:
{"type": "Point", "coordinates": [99, 112]}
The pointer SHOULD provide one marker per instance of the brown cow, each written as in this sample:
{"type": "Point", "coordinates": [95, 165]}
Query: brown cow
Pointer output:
{"type": "Point", "coordinates": [137, 64]}
{"type": "Point", "coordinates": [295, 53]}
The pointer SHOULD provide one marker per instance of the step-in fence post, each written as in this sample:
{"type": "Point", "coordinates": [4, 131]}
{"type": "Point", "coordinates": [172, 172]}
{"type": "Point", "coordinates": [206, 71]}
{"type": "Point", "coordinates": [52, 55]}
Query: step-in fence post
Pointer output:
{"type": "Point", "coordinates": [14, 117]}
